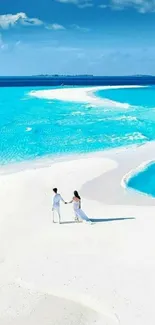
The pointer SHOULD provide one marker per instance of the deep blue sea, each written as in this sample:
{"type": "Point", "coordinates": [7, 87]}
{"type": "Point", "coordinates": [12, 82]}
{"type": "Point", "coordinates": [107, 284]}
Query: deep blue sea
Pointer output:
{"type": "Point", "coordinates": [32, 128]}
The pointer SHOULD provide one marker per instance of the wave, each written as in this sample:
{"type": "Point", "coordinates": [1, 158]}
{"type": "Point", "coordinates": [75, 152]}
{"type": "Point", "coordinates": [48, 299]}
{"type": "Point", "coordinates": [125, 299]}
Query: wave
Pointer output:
{"type": "Point", "coordinates": [28, 129]}
{"type": "Point", "coordinates": [127, 118]}
{"type": "Point", "coordinates": [78, 113]}
{"type": "Point", "coordinates": [138, 136]}
{"type": "Point", "coordinates": [81, 95]}
{"type": "Point", "coordinates": [131, 136]}
{"type": "Point", "coordinates": [128, 138]}
{"type": "Point", "coordinates": [122, 118]}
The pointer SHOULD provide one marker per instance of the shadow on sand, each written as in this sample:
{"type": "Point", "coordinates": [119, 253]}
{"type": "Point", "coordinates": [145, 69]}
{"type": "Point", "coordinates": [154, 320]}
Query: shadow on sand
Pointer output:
{"type": "Point", "coordinates": [69, 222]}
{"type": "Point", "coordinates": [100, 220]}
{"type": "Point", "coordinates": [111, 219]}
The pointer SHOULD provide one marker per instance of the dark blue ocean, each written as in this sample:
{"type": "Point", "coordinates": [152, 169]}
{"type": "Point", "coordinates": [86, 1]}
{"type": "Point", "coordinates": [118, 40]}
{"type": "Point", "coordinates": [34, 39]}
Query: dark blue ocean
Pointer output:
{"type": "Point", "coordinates": [36, 127]}
{"type": "Point", "coordinates": [34, 81]}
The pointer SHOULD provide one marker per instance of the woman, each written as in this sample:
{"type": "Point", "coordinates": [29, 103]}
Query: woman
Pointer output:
{"type": "Point", "coordinates": [79, 214]}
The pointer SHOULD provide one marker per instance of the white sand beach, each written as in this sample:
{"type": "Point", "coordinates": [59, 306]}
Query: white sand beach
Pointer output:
{"type": "Point", "coordinates": [77, 273]}
{"type": "Point", "coordinates": [82, 95]}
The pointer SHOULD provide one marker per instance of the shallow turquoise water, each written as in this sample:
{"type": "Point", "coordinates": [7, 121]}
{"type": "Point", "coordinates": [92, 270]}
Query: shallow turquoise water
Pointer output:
{"type": "Point", "coordinates": [144, 97]}
{"type": "Point", "coordinates": [144, 181]}
{"type": "Point", "coordinates": [31, 127]}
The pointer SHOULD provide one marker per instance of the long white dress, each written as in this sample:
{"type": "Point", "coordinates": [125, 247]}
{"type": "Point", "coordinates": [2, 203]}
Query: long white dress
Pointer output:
{"type": "Point", "coordinates": [79, 212]}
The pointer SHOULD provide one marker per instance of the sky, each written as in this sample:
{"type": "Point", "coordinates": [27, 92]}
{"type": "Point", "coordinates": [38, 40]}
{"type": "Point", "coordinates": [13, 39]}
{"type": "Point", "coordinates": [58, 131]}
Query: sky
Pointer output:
{"type": "Point", "coordinates": [99, 37]}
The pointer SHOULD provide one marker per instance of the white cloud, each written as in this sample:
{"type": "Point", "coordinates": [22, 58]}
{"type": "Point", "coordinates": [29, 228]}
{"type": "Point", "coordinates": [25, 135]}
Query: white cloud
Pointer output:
{"type": "Point", "coordinates": [78, 3]}
{"type": "Point", "coordinates": [75, 2]}
{"type": "Point", "coordinates": [1, 42]}
{"type": "Point", "coordinates": [82, 29]}
{"type": "Point", "coordinates": [10, 20]}
{"type": "Point", "coordinates": [55, 27]}
{"type": "Point", "coordinates": [31, 21]}
{"type": "Point", "coordinates": [103, 6]}
{"type": "Point", "coordinates": [66, 49]}
{"type": "Point", "coordinates": [142, 6]}
{"type": "Point", "coordinates": [18, 43]}
{"type": "Point", "coordinates": [1, 39]}
{"type": "Point", "coordinates": [85, 4]}
{"type": "Point", "coordinates": [3, 46]}
{"type": "Point", "coordinates": [81, 55]}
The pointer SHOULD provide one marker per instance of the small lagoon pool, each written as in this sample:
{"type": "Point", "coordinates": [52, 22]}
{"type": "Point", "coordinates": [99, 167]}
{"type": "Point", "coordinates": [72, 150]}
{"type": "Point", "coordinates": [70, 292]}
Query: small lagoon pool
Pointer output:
{"type": "Point", "coordinates": [143, 180]}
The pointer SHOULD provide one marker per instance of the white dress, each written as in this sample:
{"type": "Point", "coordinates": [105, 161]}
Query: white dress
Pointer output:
{"type": "Point", "coordinates": [79, 212]}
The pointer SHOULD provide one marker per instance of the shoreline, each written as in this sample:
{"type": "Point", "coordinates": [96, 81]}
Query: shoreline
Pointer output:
{"type": "Point", "coordinates": [140, 155]}
{"type": "Point", "coordinates": [115, 193]}
{"type": "Point", "coordinates": [123, 161]}
{"type": "Point", "coordinates": [134, 172]}
{"type": "Point", "coordinates": [49, 160]}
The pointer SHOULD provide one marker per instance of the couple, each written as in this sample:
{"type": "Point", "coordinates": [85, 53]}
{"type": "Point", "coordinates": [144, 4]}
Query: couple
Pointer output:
{"type": "Point", "coordinates": [79, 214]}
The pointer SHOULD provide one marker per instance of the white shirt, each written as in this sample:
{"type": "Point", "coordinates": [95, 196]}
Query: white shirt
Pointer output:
{"type": "Point", "coordinates": [56, 200]}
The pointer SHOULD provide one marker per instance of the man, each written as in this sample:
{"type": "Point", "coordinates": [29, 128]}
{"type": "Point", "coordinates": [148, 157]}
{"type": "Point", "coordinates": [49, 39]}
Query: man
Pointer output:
{"type": "Point", "coordinates": [56, 203]}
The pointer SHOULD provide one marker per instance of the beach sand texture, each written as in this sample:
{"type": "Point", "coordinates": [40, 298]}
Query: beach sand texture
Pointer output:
{"type": "Point", "coordinates": [104, 272]}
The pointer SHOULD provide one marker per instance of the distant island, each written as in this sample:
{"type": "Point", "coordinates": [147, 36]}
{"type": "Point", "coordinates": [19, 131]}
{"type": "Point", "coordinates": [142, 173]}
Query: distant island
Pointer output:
{"type": "Point", "coordinates": [64, 76]}
{"type": "Point", "coordinates": [90, 76]}
{"type": "Point", "coordinates": [75, 80]}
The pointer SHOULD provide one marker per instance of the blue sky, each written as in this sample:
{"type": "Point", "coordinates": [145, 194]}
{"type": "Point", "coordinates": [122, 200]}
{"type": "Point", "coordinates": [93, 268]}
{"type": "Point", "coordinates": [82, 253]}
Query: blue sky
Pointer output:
{"type": "Point", "coordinates": [100, 37]}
